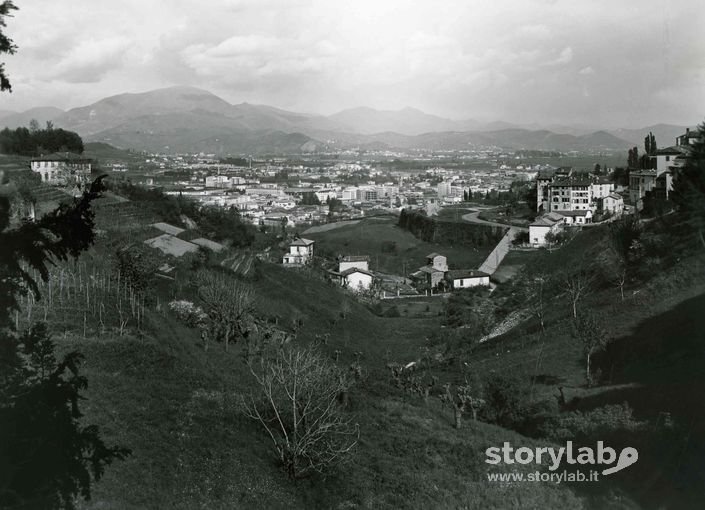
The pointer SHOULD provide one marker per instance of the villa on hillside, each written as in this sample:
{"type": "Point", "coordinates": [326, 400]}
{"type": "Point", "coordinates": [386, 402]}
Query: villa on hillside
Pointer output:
{"type": "Point", "coordinates": [62, 168]}
{"type": "Point", "coordinates": [300, 252]}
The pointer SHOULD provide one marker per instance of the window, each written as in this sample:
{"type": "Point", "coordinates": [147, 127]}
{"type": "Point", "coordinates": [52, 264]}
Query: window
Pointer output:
{"type": "Point", "coordinates": [460, 283]}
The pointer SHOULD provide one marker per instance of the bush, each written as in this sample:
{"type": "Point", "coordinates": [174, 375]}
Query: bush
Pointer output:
{"type": "Point", "coordinates": [299, 407]}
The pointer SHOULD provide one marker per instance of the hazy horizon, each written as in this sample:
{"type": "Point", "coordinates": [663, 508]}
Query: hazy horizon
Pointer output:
{"type": "Point", "coordinates": [539, 61]}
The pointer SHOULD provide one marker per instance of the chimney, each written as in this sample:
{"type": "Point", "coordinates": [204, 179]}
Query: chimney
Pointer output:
{"type": "Point", "coordinates": [687, 131]}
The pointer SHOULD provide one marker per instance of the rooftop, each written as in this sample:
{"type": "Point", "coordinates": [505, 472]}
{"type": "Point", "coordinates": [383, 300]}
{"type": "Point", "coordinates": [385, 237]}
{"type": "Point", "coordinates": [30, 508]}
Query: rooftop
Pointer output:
{"type": "Point", "coordinates": [456, 274]}
{"type": "Point", "coordinates": [300, 241]}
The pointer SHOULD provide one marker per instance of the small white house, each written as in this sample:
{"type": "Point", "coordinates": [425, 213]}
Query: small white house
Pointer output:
{"type": "Point", "coordinates": [613, 203]}
{"type": "Point", "coordinates": [356, 279]}
{"type": "Point", "coordinates": [350, 261]}
{"type": "Point", "coordinates": [465, 278]}
{"type": "Point", "coordinates": [300, 252]}
{"type": "Point", "coordinates": [577, 217]}
{"type": "Point", "coordinates": [550, 223]}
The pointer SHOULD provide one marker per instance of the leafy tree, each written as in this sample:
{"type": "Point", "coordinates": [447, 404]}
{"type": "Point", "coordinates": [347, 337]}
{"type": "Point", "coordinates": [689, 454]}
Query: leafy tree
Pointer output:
{"type": "Point", "coordinates": [228, 304]}
{"type": "Point", "coordinates": [650, 144]}
{"type": "Point", "coordinates": [6, 44]}
{"type": "Point", "coordinates": [47, 457]}
{"type": "Point", "coordinates": [689, 186]}
{"type": "Point", "coordinates": [310, 198]}
{"type": "Point", "coordinates": [633, 158]}
{"type": "Point", "coordinates": [506, 400]}
{"type": "Point", "coordinates": [298, 406]}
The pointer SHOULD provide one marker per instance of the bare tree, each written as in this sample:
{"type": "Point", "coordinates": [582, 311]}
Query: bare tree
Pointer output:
{"type": "Point", "coordinates": [536, 290]}
{"type": "Point", "coordinates": [299, 407]}
{"type": "Point", "coordinates": [228, 304]}
{"type": "Point", "coordinates": [461, 401]}
{"type": "Point", "coordinates": [578, 283]}
{"type": "Point", "coordinates": [588, 329]}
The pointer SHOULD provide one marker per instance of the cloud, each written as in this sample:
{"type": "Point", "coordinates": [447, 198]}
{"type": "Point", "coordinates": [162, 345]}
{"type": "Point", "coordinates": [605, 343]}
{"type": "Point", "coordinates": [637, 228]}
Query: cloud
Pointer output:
{"type": "Point", "coordinates": [565, 57]}
{"type": "Point", "coordinates": [448, 57]}
{"type": "Point", "coordinates": [90, 60]}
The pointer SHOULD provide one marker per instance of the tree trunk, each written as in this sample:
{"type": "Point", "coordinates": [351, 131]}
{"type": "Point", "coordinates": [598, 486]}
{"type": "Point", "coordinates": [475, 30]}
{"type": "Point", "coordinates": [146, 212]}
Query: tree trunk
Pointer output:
{"type": "Point", "coordinates": [587, 371]}
{"type": "Point", "coordinates": [458, 417]}
{"type": "Point", "coordinates": [575, 309]}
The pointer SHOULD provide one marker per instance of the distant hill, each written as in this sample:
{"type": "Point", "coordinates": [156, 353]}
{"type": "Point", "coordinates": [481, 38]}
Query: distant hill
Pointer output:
{"type": "Point", "coordinates": [188, 119]}
{"type": "Point", "coordinates": [665, 134]}
{"type": "Point", "coordinates": [199, 131]}
{"type": "Point", "coordinates": [408, 121]}
{"type": "Point", "coordinates": [41, 114]}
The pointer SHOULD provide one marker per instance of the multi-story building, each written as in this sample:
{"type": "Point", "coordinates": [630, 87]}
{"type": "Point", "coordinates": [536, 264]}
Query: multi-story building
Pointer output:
{"type": "Point", "coordinates": [62, 168]}
{"type": "Point", "coordinates": [570, 195]}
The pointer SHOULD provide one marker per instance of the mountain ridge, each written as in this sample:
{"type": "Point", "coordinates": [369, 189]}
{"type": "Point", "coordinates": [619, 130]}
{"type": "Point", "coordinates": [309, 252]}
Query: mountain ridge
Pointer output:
{"type": "Point", "coordinates": [185, 118]}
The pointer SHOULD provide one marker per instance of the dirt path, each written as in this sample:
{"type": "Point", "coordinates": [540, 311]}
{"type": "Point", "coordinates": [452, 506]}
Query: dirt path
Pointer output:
{"type": "Point", "coordinates": [330, 226]}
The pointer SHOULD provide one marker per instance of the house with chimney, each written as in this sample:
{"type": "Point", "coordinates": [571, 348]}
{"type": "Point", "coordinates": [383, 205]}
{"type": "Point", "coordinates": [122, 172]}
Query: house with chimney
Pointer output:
{"type": "Point", "coordinates": [300, 252]}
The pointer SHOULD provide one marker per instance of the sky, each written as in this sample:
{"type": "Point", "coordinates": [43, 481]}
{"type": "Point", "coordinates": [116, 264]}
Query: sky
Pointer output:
{"type": "Point", "coordinates": [608, 63]}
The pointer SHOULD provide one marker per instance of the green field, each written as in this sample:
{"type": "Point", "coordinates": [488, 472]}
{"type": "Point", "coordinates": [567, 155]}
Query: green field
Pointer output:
{"type": "Point", "coordinates": [375, 237]}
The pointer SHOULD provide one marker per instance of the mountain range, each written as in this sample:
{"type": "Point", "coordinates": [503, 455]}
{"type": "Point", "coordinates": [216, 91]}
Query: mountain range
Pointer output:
{"type": "Point", "coordinates": [187, 119]}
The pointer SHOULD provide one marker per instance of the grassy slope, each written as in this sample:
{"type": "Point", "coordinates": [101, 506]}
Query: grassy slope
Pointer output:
{"type": "Point", "coordinates": [366, 238]}
{"type": "Point", "coordinates": [177, 408]}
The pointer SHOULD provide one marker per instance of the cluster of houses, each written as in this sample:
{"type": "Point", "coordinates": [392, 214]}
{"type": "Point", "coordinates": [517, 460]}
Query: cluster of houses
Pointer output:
{"type": "Point", "coordinates": [353, 271]}
{"type": "Point", "coordinates": [436, 275]}
{"type": "Point", "coordinates": [568, 198]}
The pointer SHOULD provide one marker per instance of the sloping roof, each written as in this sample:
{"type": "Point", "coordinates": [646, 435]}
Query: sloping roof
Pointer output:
{"type": "Point", "coordinates": [673, 149]}
{"type": "Point", "coordinates": [433, 255]}
{"type": "Point", "coordinates": [615, 196]}
{"type": "Point", "coordinates": [63, 156]}
{"type": "Point", "coordinates": [457, 274]}
{"type": "Point", "coordinates": [171, 245]}
{"type": "Point", "coordinates": [583, 212]}
{"type": "Point", "coordinates": [429, 269]}
{"type": "Point", "coordinates": [571, 182]}
{"type": "Point", "coordinates": [554, 215]}
{"type": "Point", "coordinates": [169, 229]}
{"type": "Point", "coordinates": [207, 243]}
{"type": "Point", "coordinates": [352, 270]}
{"type": "Point", "coordinates": [542, 222]}
{"type": "Point", "coordinates": [300, 241]}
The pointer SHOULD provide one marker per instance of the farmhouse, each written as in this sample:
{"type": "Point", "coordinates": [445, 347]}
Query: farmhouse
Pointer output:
{"type": "Point", "coordinates": [464, 278]}
{"type": "Point", "coordinates": [300, 252]}
{"type": "Point", "coordinates": [62, 168]}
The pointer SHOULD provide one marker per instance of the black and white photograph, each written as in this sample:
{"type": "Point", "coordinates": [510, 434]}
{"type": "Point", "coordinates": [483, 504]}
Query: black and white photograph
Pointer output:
{"type": "Point", "coordinates": [326, 254]}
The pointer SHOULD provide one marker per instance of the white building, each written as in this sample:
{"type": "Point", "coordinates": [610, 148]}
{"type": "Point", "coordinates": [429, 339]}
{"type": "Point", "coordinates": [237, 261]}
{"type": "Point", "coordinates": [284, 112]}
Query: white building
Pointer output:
{"type": "Point", "coordinates": [550, 223]}
{"type": "Point", "coordinates": [465, 278]}
{"type": "Point", "coordinates": [62, 168]}
{"type": "Point", "coordinates": [356, 279]}
{"type": "Point", "coordinates": [613, 204]}
{"type": "Point", "coordinates": [300, 252]}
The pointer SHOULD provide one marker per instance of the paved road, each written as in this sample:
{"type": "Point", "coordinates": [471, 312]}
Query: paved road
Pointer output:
{"type": "Point", "coordinates": [473, 217]}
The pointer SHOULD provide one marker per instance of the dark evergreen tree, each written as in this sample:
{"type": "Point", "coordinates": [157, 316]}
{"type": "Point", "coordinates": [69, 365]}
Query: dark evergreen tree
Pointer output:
{"type": "Point", "coordinates": [689, 186]}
